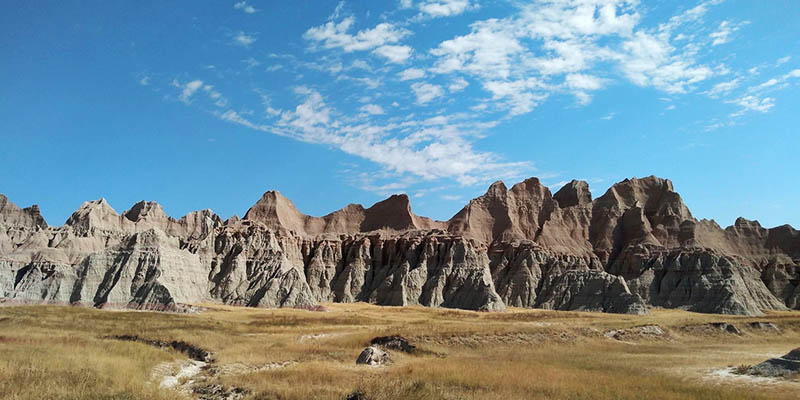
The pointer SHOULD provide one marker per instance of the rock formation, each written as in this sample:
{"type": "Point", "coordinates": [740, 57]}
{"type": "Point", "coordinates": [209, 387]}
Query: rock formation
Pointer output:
{"type": "Point", "coordinates": [786, 366]}
{"type": "Point", "coordinates": [634, 247]}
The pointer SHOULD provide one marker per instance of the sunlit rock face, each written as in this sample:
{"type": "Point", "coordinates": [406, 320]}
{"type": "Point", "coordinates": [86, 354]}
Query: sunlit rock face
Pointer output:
{"type": "Point", "coordinates": [634, 247]}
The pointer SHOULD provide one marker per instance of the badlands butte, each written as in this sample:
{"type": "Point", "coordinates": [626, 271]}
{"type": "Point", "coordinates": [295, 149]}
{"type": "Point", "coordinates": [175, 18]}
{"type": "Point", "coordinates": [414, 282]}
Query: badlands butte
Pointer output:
{"type": "Point", "coordinates": [635, 247]}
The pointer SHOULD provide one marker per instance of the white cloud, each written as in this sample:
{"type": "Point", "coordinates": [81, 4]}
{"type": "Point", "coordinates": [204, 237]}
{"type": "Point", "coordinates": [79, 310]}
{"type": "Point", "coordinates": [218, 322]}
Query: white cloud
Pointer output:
{"type": "Point", "coordinates": [543, 48]}
{"type": "Point", "coordinates": [244, 39]}
{"type": "Point", "coordinates": [335, 35]}
{"type": "Point", "coordinates": [651, 61]}
{"type": "Point", "coordinates": [518, 96]}
{"type": "Point", "coordinates": [310, 116]}
{"type": "Point", "coordinates": [771, 82]}
{"type": "Point", "coordinates": [242, 5]}
{"type": "Point", "coordinates": [563, 40]}
{"type": "Point", "coordinates": [373, 109]}
{"type": "Point", "coordinates": [458, 85]}
{"type": "Point", "coordinates": [724, 87]}
{"type": "Point", "coordinates": [582, 81]}
{"type": "Point", "coordinates": [394, 54]}
{"type": "Point", "coordinates": [426, 92]}
{"type": "Point", "coordinates": [445, 8]}
{"type": "Point", "coordinates": [487, 51]}
{"type": "Point", "coordinates": [450, 197]}
{"type": "Point", "coordinates": [783, 60]}
{"type": "Point", "coordinates": [411, 74]}
{"type": "Point", "coordinates": [752, 103]}
{"type": "Point", "coordinates": [428, 151]}
{"type": "Point", "coordinates": [145, 81]}
{"type": "Point", "coordinates": [723, 33]}
{"type": "Point", "coordinates": [188, 90]}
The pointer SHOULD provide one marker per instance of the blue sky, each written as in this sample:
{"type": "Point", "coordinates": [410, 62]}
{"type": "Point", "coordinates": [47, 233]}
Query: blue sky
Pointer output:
{"type": "Point", "coordinates": [209, 104]}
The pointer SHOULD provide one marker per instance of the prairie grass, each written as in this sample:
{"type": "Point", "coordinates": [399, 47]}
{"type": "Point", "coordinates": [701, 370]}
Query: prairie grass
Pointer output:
{"type": "Point", "coordinates": [58, 352]}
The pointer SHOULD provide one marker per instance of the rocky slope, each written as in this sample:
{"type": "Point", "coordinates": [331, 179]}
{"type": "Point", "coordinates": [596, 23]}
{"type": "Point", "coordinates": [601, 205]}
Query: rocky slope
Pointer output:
{"type": "Point", "coordinates": [637, 245]}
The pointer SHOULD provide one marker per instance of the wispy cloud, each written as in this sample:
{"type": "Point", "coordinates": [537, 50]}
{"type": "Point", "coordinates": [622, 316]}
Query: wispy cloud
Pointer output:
{"type": "Point", "coordinates": [458, 85]}
{"type": "Point", "coordinates": [411, 73]}
{"type": "Point", "coordinates": [244, 39]}
{"type": "Point", "coordinates": [333, 35]}
{"type": "Point", "coordinates": [426, 92]}
{"type": "Point", "coordinates": [752, 103]}
{"type": "Point", "coordinates": [723, 33]}
{"type": "Point", "coordinates": [445, 8]}
{"type": "Point", "coordinates": [723, 88]}
{"type": "Point", "coordinates": [450, 197]}
{"type": "Point", "coordinates": [188, 89]}
{"type": "Point", "coordinates": [435, 149]}
{"type": "Point", "coordinates": [394, 54]}
{"type": "Point", "coordinates": [420, 111]}
{"type": "Point", "coordinates": [242, 5]}
{"type": "Point", "coordinates": [373, 109]}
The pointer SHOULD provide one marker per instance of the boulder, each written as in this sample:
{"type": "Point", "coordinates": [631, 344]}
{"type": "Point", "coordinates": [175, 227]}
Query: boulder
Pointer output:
{"type": "Point", "coordinates": [373, 356]}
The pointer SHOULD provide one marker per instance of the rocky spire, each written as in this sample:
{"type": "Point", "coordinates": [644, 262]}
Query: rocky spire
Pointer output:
{"type": "Point", "coordinates": [29, 217]}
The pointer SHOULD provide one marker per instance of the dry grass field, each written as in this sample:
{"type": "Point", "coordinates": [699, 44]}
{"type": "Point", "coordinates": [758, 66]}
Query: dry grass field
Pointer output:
{"type": "Point", "coordinates": [59, 352]}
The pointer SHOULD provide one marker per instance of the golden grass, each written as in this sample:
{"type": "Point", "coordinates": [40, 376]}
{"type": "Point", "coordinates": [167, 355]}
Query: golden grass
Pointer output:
{"type": "Point", "coordinates": [61, 353]}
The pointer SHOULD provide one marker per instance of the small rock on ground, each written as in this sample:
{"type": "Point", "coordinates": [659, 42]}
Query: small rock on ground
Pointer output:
{"type": "Point", "coordinates": [765, 326]}
{"type": "Point", "coordinates": [394, 343]}
{"type": "Point", "coordinates": [374, 356]}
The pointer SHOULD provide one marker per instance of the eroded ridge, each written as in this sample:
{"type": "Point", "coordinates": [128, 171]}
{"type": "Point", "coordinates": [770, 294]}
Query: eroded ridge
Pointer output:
{"type": "Point", "coordinates": [634, 247]}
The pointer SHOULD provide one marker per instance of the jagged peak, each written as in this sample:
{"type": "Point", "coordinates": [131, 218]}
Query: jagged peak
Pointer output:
{"type": "Point", "coordinates": [29, 216]}
{"type": "Point", "coordinates": [742, 222]}
{"type": "Point", "coordinates": [401, 201]}
{"type": "Point", "coordinates": [497, 188]}
{"type": "Point", "coordinates": [145, 209]}
{"type": "Point", "coordinates": [392, 213]}
{"type": "Point", "coordinates": [530, 186]}
{"type": "Point", "coordinates": [271, 205]}
{"type": "Point", "coordinates": [206, 212]}
{"type": "Point", "coordinates": [648, 191]}
{"type": "Point", "coordinates": [574, 193]}
{"type": "Point", "coordinates": [96, 214]}
{"type": "Point", "coordinates": [99, 205]}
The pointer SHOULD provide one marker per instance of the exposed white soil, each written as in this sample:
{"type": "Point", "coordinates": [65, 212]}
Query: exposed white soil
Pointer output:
{"type": "Point", "coordinates": [727, 375]}
{"type": "Point", "coordinates": [319, 336]}
{"type": "Point", "coordinates": [239, 368]}
{"type": "Point", "coordinates": [177, 375]}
